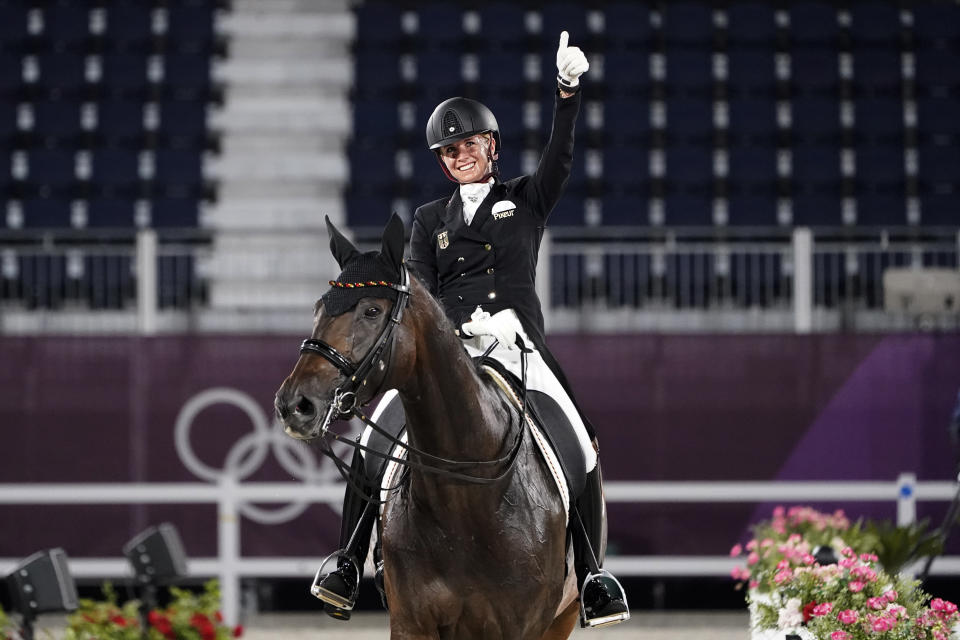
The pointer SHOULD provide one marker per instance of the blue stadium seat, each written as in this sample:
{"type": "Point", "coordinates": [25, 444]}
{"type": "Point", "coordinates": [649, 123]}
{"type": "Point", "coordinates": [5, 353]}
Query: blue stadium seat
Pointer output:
{"type": "Point", "coordinates": [881, 208]}
{"type": "Point", "coordinates": [441, 28]}
{"type": "Point", "coordinates": [689, 72]}
{"type": "Point", "coordinates": [129, 26]}
{"type": "Point", "coordinates": [879, 120]}
{"type": "Point", "coordinates": [627, 73]}
{"type": "Point", "coordinates": [186, 76]}
{"type": "Point", "coordinates": [811, 208]}
{"type": "Point", "coordinates": [751, 72]}
{"type": "Point", "coordinates": [936, 25]}
{"type": "Point", "coordinates": [190, 25]}
{"type": "Point", "coordinates": [937, 72]}
{"type": "Point", "coordinates": [365, 209]}
{"type": "Point", "coordinates": [120, 122]}
{"type": "Point", "coordinates": [627, 26]}
{"type": "Point", "coordinates": [509, 115]}
{"type": "Point", "coordinates": [815, 72]}
{"type": "Point", "coordinates": [110, 212]}
{"type": "Point", "coordinates": [881, 165]}
{"type": "Point", "coordinates": [688, 209]}
{"type": "Point", "coordinates": [690, 120]}
{"type": "Point", "coordinates": [13, 26]}
{"type": "Point", "coordinates": [753, 168]}
{"type": "Point", "coordinates": [751, 25]}
{"type": "Point", "coordinates": [626, 120]}
{"type": "Point", "coordinates": [44, 213]}
{"type": "Point", "coordinates": [61, 75]}
{"type": "Point", "coordinates": [626, 171]}
{"type": "Point", "coordinates": [937, 121]}
{"type": "Point", "coordinates": [175, 212]}
{"type": "Point", "coordinates": [378, 73]}
{"type": "Point", "coordinates": [568, 16]}
{"type": "Point", "coordinates": [57, 123]}
{"type": "Point", "coordinates": [183, 123]}
{"type": "Point", "coordinates": [372, 165]}
{"type": "Point", "coordinates": [748, 209]}
{"type": "Point", "coordinates": [816, 180]}
{"type": "Point", "coordinates": [816, 164]}
{"type": "Point", "coordinates": [569, 212]}
{"type": "Point", "coordinates": [445, 77]}
{"type": "Point", "coordinates": [66, 26]}
{"type": "Point", "coordinates": [501, 74]}
{"type": "Point", "coordinates": [876, 72]}
{"type": "Point", "coordinates": [816, 120]}
{"type": "Point", "coordinates": [115, 172]}
{"type": "Point", "coordinates": [124, 75]}
{"type": "Point", "coordinates": [11, 76]}
{"type": "Point", "coordinates": [689, 168]}
{"type": "Point", "coordinates": [375, 119]}
{"type": "Point", "coordinates": [51, 168]}
{"type": "Point", "coordinates": [178, 173]}
{"type": "Point", "coordinates": [503, 26]}
{"type": "Point", "coordinates": [752, 121]}
{"type": "Point", "coordinates": [625, 209]}
{"type": "Point", "coordinates": [379, 25]}
{"type": "Point", "coordinates": [875, 25]}
{"type": "Point", "coordinates": [813, 24]}
{"type": "Point", "coordinates": [689, 24]}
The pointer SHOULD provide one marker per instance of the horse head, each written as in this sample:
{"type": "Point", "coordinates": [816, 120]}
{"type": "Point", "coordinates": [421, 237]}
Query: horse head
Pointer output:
{"type": "Point", "coordinates": [356, 348]}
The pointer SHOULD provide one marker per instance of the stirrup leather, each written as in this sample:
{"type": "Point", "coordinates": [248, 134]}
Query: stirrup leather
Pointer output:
{"type": "Point", "coordinates": [607, 620]}
{"type": "Point", "coordinates": [330, 597]}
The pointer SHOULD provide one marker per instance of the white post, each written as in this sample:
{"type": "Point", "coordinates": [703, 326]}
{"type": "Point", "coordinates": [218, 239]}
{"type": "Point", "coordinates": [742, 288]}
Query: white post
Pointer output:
{"type": "Point", "coordinates": [543, 277]}
{"type": "Point", "coordinates": [906, 499]}
{"type": "Point", "coordinates": [228, 543]}
{"type": "Point", "coordinates": [802, 280]}
{"type": "Point", "coordinates": [147, 282]}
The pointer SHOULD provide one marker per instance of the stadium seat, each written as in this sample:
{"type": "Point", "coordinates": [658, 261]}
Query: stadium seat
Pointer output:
{"type": "Point", "coordinates": [120, 122]}
{"type": "Point", "coordinates": [44, 213]}
{"type": "Point", "coordinates": [110, 212]}
{"type": "Point", "coordinates": [66, 26]}
{"type": "Point", "coordinates": [441, 29]}
{"type": "Point", "coordinates": [51, 169]}
{"type": "Point", "coordinates": [501, 75]}
{"type": "Point", "coordinates": [936, 25]}
{"type": "Point", "coordinates": [178, 174]}
{"type": "Point", "coordinates": [503, 26]}
{"type": "Point", "coordinates": [815, 120]}
{"type": "Point", "coordinates": [814, 72]}
{"type": "Point", "coordinates": [129, 27]}
{"type": "Point", "coordinates": [877, 72]}
{"type": "Point", "coordinates": [190, 26]}
{"type": "Point", "coordinates": [176, 212]}
{"type": "Point", "coordinates": [626, 73]}
{"type": "Point", "coordinates": [13, 27]}
{"type": "Point", "coordinates": [751, 25]}
{"type": "Point", "coordinates": [125, 75]}
{"type": "Point", "coordinates": [688, 209]}
{"type": "Point", "coordinates": [814, 25]}
{"type": "Point", "coordinates": [379, 25]}
{"type": "Point", "coordinates": [183, 124]}
{"type": "Point", "coordinates": [688, 24]}
{"type": "Point", "coordinates": [626, 121]}
{"type": "Point", "coordinates": [751, 73]}
{"type": "Point", "coordinates": [62, 75]}
{"type": "Point", "coordinates": [879, 121]}
{"type": "Point", "coordinates": [115, 173]}
{"type": "Point", "coordinates": [568, 16]}
{"type": "Point", "coordinates": [186, 76]}
{"type": "Point", "coordinates": [752, 122]}
{"type": "Point", "coordinates": [627, 27]}
{"type": "Point", "coordinates": [876, 25]}
{"type": "Point", "coordinates": [56, 123]}
{"type": "Point", "coordinates": [689, 73]}
{"type": "Point", "coordinates": [690, 121]}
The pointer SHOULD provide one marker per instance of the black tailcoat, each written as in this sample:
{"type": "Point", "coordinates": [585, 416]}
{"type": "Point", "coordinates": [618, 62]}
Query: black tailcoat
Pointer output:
{"type": "Point", "coordinates": [492, 262]}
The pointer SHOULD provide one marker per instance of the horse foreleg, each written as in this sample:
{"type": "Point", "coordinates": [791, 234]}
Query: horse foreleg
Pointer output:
{"type": "Point", "coordinates": [562, 626]}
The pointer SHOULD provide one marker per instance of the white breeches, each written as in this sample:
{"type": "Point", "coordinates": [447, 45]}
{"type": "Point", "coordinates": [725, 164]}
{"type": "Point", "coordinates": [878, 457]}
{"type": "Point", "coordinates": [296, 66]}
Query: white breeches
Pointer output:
{"type": "Point", "coordinates": [539, 378]}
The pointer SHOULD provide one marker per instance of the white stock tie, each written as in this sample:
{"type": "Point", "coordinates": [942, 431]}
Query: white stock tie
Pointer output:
{"type": "Point", "coordinates": [472, 194]}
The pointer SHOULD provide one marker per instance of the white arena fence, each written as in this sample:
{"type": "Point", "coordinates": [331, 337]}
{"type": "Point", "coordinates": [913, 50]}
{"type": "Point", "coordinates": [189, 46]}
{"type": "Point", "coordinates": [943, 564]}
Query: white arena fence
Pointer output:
{"type": "Point", "coordinates": [233, 498]}
{"type": "Point", "coordinates": [607, 280]}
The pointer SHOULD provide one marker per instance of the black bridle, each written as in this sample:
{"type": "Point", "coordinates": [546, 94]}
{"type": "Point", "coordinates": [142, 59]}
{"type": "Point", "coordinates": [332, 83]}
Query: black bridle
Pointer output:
{"type": "Point", "coordinates": [345, 403]}
{"type": "Point", "coordinates": [345, 396]}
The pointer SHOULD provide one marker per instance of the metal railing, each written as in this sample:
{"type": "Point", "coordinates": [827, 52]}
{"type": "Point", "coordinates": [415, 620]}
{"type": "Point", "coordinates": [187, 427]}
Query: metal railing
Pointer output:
{"type": "Point", "coordinates": [612, 280]}
{"type": "Point", "coordinates": [230, 497]}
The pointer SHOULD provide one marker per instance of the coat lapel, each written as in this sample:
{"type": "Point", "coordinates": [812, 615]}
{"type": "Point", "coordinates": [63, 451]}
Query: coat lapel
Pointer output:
{"type": "Point", "coordinates": [454, 221]}
{"type": "Point", "coordinates": [483, 213]}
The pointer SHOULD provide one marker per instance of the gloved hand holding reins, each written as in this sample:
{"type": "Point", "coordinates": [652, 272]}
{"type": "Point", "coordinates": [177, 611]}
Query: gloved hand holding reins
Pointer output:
{"type": "Point", "coordinates": [503, 326]}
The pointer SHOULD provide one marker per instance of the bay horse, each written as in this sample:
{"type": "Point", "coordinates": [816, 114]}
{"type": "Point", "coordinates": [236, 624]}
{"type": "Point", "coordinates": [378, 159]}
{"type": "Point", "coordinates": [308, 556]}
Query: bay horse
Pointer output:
{"type": "Point", "coordinates": [482, 559]}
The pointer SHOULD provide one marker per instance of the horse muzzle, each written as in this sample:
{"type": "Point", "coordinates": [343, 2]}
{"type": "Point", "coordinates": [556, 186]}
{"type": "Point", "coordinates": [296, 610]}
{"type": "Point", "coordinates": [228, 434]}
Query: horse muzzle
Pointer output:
{"type": "Point", "coordinates": [305, 419]}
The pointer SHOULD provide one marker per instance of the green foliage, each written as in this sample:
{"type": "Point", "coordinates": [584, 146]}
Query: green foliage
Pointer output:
{"type": "Point", "coordinates": [898, 546]}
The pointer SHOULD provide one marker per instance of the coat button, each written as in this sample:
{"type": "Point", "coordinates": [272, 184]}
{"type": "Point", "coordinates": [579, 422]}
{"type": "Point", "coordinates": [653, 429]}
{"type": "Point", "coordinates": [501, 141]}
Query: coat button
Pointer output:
{"type": "Point", "coordinates": [492, 295]}
{"type": "Point", "coordinates": [490, 270]}
{"type": "Point", "coordinates": [460, 298]}
{"type": "Point", "coordinates": [460, 259]}
{"type": "Point", "coordinates": [462, 274]}
{"type": "Point", "coordinates": [488, 246]}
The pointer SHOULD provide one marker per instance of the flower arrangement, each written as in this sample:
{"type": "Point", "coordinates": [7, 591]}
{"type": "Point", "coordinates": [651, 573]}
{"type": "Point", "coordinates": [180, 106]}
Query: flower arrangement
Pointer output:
{"type": "Point", "coordinates": [189, 616]}
{"type": "Point", "coordinates": [799, 584]}
{"type": "Point", "coordinates": [8, 630]}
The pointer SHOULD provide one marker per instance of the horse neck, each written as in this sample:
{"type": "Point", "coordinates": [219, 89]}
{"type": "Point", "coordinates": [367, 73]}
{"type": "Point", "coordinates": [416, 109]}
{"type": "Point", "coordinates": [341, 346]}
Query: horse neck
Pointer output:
{"type": "Point", "coordinates": [450, 412]}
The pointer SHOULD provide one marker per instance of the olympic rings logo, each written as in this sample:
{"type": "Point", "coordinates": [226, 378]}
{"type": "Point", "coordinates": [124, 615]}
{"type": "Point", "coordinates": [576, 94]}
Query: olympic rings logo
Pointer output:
{"type": "Point", "coordinates": [249, 452]}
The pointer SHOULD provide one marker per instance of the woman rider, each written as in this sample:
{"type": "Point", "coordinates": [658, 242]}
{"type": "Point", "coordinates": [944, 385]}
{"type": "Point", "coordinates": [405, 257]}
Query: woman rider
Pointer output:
{"type": "Point", "coordinates": [476, 251]}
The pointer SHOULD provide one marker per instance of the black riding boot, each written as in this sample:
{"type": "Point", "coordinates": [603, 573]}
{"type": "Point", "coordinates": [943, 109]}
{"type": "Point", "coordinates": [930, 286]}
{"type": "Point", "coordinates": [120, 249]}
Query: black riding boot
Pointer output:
{"type": "Point", "coordinates": [338, 588]}
{"type": "Point", "coordinates": [602, 600]}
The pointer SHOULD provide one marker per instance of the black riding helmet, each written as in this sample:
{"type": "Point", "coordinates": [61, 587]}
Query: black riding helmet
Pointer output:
{"type": "Point", "coordinates": [458, 118]}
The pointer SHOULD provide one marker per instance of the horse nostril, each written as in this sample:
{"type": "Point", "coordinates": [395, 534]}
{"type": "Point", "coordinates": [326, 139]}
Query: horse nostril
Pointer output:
{"type": "Point", "coordinates": [304, 407]}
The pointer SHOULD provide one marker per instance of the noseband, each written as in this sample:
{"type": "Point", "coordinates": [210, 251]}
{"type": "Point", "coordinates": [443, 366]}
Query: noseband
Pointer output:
{"type": "Point", "coordinates": [345, 396]}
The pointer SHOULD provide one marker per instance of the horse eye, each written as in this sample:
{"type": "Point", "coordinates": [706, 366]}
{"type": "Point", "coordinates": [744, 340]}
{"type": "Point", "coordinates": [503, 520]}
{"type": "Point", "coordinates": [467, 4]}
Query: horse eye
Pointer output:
{"type": "Point", "coordinates": [372, 312]}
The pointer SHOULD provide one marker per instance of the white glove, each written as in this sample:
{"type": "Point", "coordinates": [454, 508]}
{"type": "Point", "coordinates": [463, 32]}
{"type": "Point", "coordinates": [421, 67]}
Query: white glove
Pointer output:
{"type": "Point", "coordinates": [503, 326]}
{"type": "Point", "coordinates": [571, 63]}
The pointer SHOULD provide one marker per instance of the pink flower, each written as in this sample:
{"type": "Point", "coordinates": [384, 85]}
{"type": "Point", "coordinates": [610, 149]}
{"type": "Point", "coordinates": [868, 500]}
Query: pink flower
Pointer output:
{"type": "Point", "coordinates": [752, 545]}
{"type": "Point", "coordinates": [753, 558]}
{"type": "Point", "coordinates": [881, 624]}
{"type": "Point", "coordinates": [783, 564]}
{"type": "Point", "coordinates": [846, 563]}
{"type": "Point", "coordinates": [808, 559]}
{"type": "Point", "coordinates": [890, 595]}
{"type": "Point", "coordinates": [877, 603]}
{"type": "Point", "coordinates": [823, 609]}
{"type": "Point", "coordinates": [856, 586]}
{"type": "Point", "coordinates": [847, 616]}
{"type": "Point", "coordinates": [778, 512]}
{"type": "Point", "coordinates": [782, 576]}
{"type": "Point", "coordinates": [754, 584]}
{"type": "Point", "coordinates": [839, 635]}
{"type": "Point", "coordinates": [943, 606]}
{"type": "Point", "coordinates": [735, 550]}
{"type": "Point", "coordinates": [846, 551]}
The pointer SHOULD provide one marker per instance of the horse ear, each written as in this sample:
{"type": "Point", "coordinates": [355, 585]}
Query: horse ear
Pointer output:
{"type": "Point", "coordinates": [392, 242]}
{"type": "Point", "coordinates": [342, 249]}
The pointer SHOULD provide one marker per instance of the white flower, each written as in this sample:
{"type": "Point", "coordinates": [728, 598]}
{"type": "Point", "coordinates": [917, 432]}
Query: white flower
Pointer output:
{"type": "Point", "coordinates": [790, 616]}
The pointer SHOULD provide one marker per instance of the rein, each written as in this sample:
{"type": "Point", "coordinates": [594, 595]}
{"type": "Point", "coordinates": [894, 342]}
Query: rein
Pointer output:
{"type": "Point", "coordinates": [345, 404]}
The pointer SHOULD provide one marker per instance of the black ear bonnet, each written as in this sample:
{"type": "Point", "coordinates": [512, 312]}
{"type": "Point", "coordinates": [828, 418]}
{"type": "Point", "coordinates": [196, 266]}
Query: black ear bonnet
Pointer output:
{"type": "Point", "coordinates": [367, 274]}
